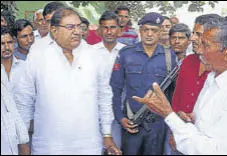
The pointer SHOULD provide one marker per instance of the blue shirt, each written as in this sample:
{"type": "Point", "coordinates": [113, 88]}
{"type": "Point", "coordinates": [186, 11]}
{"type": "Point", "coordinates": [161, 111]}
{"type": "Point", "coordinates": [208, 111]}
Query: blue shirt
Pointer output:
{"type": "Point", "coordinates": [19, 55]}
{"type": "Point", "coordinates": [135, 70]}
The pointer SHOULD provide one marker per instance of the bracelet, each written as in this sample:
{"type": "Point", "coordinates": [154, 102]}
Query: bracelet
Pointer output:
{"type": "Point", "coordinates": [107, 136]}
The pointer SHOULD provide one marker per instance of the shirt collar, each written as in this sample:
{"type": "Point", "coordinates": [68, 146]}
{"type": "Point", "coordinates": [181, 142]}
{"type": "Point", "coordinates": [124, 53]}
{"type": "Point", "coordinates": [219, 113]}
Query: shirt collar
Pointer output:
{"type": "Point", "coordinates": [117, 47]}
{"type": "Point", "coordinates": [15, 61]}
{"type": "Point", "coordinates": [222, 80]}
{"type": "Point", "coordinates": [126, 28]}
{"type": "Point", "coordinates": [159, 49]}
{"type": "Point", "coordinates": [19, 55]}
{"type": "Point", "coordinates": [37, 34]}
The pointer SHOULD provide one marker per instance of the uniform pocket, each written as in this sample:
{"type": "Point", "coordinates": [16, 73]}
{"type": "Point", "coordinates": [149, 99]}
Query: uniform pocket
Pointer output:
{"type": "Point", "coordinates": [160, 75]}
{"type": "Point", "coordinates": [134, 75]}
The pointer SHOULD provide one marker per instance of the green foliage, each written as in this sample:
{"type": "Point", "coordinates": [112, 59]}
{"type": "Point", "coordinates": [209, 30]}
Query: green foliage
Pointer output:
{"type": "Point", "coordinates": [9, 6]}
{"type": "Point", "coordinates": [138, 8]}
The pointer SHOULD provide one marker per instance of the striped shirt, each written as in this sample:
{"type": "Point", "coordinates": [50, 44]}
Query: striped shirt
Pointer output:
{"type": "Point", "coordinates": [129, 37]}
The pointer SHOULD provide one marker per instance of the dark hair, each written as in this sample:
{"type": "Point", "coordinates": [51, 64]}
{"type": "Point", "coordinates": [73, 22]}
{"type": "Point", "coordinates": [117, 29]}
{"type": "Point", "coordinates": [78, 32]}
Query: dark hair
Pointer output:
{"type": "Point", "coordinates": [85, 21]}
{"type": "Point", "coordinates": [181, 27]}
{"type": "Point", "coordinates": [52, 6]}
{"type": "Point", "coordinates": [9, 18]}
{"type": "Point", "coordinates": [20, 24]}
{"type": "Point", "coordinates": [221, 35]}
{"type": "Point", "coordinates": [61, 13]}
{"type": "Point", "coordinates": [165, 17]}
{"type": "Point", "coordinates": [206, 18]}
{"type": "Point", "coordinates": [108, 15]}
{"type": "Point", "coordinates": [122, 7]}
{"type": "Point", "coordinates": [6, 30]}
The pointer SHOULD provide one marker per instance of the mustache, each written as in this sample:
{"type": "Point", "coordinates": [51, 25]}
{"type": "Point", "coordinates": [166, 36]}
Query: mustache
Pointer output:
{"type": "Point", "coordinates": [76, 36]}
{"type": "Point", "coordinates": [149, 38]}
{"type": "Point", "coordinates": [109, 36]}
{"type": "Point", "coordinates": [8, 50]}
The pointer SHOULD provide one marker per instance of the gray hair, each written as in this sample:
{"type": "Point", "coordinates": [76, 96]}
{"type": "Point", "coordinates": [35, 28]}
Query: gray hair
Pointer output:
{"type": "Point", "coordinates": [221, 25]}
{"type": "Point", "coordinates": [181, 27]}
{"type": "Point", "coordinates": [203, 19]}
{"type": "Point", "coordinates": [37, 12]}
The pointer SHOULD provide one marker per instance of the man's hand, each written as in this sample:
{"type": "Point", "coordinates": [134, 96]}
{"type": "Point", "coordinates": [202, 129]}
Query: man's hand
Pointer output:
{"type": "Point", "coordinates": [129, 126]}
{"type": "Point", "coordinates": [172, 142]}
{"type": "Point", "coordinates": [111, 147]}
{"type": "Point", "coordinates": [24, 149]}
{"type": "Point", "coordinates": [186, 117]}
{"type": "Point", "coordinates": [156, 101]}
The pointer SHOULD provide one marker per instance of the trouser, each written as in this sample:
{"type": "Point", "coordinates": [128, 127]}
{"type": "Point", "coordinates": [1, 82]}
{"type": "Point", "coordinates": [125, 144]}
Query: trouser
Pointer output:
{"type": "Point", "coordinates": [145, 142]}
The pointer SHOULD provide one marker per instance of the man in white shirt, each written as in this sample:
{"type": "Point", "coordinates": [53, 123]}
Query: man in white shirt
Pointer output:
{"type": "Point", "coordinates": [48, 11]}
{"type": "Point", "coordinates": [109, 49]}
{"type": "Point", "coordinates": [71, 91]}
{"type": "Point", "coordinates": [40, 24]}
{"type": "Point", "coordinates": [11, 67]}
{"type": "Point", "coordinates": [23, 31]}
{"type": "Point", "coordinates": [205, 131]}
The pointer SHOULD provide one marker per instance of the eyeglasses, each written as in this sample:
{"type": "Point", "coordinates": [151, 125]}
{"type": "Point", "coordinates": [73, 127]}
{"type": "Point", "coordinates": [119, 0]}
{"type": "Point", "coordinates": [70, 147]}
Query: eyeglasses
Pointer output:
{"type": "Point", "coordinates": [113, 27]}
{"type": "Point", "coordinates": [122, 16]}
{"type": "Point", "coordinates": [72, 26]}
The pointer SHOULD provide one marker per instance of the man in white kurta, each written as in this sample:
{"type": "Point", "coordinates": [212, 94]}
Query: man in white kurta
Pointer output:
{"type": "Point", "coordinates": [207, 135]}
{"type": "Point", "coordinates": [109, 50]}
{"type": "Point", "coordinates": [70, 99]}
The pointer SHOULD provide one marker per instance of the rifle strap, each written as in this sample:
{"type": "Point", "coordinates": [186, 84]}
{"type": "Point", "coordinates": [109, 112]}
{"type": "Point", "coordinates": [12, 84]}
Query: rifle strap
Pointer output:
{"type": "Point", "coordinates": [129, 112]}
{"type": "Point", "coordinates": [168, 60]}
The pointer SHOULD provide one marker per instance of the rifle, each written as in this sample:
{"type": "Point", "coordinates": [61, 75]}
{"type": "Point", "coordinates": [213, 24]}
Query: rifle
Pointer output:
{"type": "Point", "coordinates": [140, 116]}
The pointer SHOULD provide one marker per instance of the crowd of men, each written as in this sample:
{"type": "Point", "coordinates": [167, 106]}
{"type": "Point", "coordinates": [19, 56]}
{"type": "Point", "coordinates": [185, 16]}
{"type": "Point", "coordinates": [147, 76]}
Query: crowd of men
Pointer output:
{"type": "Point", "coordinates": [67, 89]}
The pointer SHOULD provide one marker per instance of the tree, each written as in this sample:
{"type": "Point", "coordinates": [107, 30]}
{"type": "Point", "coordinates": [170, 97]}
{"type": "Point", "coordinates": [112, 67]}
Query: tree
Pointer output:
{"type": "Point", "coordinates": [8, 11]}
{"type": "Point", "coordinates": [9, 6]}
{"type": "Point", "coordinates": [138, 8]}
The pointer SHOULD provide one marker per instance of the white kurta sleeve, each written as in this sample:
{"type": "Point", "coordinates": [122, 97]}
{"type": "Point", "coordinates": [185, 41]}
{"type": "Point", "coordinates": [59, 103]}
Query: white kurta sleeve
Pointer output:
{"type": "Point", "coordinates": [105, 100]}
{"type": "Point", "coordinates": [190, 140]}
{"type": "Point", "coordinates": [20, 129]}
{"type": "Point", "coordinates": [25, 92]}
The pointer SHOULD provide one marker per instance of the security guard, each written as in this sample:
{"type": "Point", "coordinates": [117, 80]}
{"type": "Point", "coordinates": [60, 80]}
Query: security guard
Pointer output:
{"type": "Point", "coordinates": [136, 68]}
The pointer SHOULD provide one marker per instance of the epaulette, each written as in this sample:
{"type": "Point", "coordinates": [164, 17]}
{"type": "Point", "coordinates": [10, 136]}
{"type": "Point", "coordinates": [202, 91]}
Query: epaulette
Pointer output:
{"type": "Point", "coordinates": [128, 47]}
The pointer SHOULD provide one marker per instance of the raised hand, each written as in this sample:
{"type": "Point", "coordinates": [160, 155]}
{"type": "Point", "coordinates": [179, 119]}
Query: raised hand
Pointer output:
{"type": "Point", "coordinates": [156, 101]}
